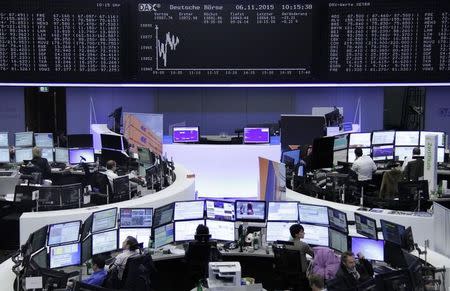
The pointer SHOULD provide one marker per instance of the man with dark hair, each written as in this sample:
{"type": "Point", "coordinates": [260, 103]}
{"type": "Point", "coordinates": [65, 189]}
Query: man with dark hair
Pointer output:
{"type": "Point", "coordinates": [350, 273]}
{"type": "Point", "coordinates": [130, 248]}
{"type": "Point", "coordinates": [363, 166]}
{"type": "Point", "coordinates": [298, 232]}
{"type": "Point", "coordinates": [407, 159]}
{"type": "Point", "coordinates": [413, 168]}
{"type": "Point", "coordinates": [99, 275]}
{"type": "Point", "coordinates": [316, 283]}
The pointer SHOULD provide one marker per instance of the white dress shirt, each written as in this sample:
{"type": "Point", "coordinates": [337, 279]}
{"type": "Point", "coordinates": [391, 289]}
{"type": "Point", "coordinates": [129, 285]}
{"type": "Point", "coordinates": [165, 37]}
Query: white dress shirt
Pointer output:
{"type": "Point", "coordinates": [364, 166]}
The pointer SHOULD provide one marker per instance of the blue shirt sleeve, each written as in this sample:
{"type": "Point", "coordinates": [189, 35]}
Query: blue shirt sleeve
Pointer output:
{"type": "Point", "coordinates": [96, 278]}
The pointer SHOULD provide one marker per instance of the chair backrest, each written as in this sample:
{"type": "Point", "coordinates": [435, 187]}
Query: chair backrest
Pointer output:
{"type": "Point", "coordinates": [414, 170]}
{"type": "Point", "coordinates": [139, 273]}
{"type": "Point", "coordinates": [100, 183]}
{"type": "Point", "coordinates": [198, 255]}
{"type": "Point", "coordinates": [121, 188]}
{"type": "Point", "coordinates": [49, 199]}
{"type": "Point", "coordinates": [71, 195]}
{"type": "Point", "coordinates": [289, 261]}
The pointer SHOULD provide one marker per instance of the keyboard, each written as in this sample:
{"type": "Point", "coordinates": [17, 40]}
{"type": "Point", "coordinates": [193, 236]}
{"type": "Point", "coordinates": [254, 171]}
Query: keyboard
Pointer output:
{"type": "Point", "coordinates": [5, 174]}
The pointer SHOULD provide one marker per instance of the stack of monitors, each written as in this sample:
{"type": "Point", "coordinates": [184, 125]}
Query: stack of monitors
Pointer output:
{"type": "Point", "coordinates": [220, 217]}
{"type": "Point", "coordinates": [250, 210]}
{"type": "Point", "coordinates": [406, 141]}
{"type": "Point", "coordinates": [163, 229]}
{"type": "Point", "coordinates": [65, 248]}
{"type": "Point", "coordinates": [338, 230]}
{"type": "Point", "coordinates": [340, 148]}
{"type": "Point", "coordinates": [4, 148]}
{"type": "Point", "coordinates": [136, 222]}
{"type": "Point", "coordinates": [45, 142]}
{"type": "Point", "coordinates": [280, 216]}
{"type": "Point", "coordinates": [24, 144]}
{"type": "Point", "coordinates": [314, 219]}
{"type": "Point", "coordinates": [360, 139]}
{"type": "Point", "coordinates": [383, 145]}
{"type": "Point", "coordinates": [187, 216]}
{"type": "Point", "coordinates": [104, 233]}
{"type": "Point", "coordinates": [441, 144]}
{"type": "Point", "coordinates": [186, 134]}
{"type": "Point", "coordinates": [256, 135]}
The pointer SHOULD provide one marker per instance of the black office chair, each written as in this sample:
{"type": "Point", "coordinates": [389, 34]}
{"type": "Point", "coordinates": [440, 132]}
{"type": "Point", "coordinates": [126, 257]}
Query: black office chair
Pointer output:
{"type": "Point", "coordinates": [290, 269]}
{"type": "Point", "coordinates": [121, 189]}
{"type": "Point", "coordinates": [140, 274]}
{"type": "Point", "coordinates": [100, 188]}
{"type": "Point", "coordinates": [79, 286]}
{"type": "Point", "coordinates": [198, 255]}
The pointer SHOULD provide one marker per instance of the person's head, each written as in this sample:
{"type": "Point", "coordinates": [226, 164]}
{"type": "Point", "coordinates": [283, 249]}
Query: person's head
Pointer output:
{"type": "Point", "coordinates": [358, 152]}
{"type": "Point", "coordinates": [416, 151]}
{"type": "Point", "coordinates": [130, 243]}
{"type": "Point", "coordinates": [111, 165]}
{"type": "Point", "coordinates": [297, 231]}
{"type": "Point", "coordinates": [37, 152]}
{"type": "Point", "coordinates": [316, 282]}
{"type": "Point", "coordinates": [202, 233]}
{"type": "Point", "coordinates": [348, 260]}
{"type": "Point", "coordinates": [98, 262]}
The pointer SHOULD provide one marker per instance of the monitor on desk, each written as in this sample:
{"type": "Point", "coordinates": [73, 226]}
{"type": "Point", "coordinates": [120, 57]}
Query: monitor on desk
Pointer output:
{"type": "Point", "coordinates": [104, 219]}
{"type": "Point", "coordinates": [163, 235]}
{"type": "Point", "coordinates": [4, 141]}
{"type": "Point", "coordinates": [383, 153]}
{"type": "Point", "coordinates": [65, 255]}
{"type": "Point", "coordinates": [407, 138]}
{"type": "Point", "coordinates": [40, 259]}
{"type": "Point", "coordinates": [43, 140]}
{"type": "Point", "coordinates": [24, 139]}
{"type": "Point", "coordinates": [360, 139]}
{"type": "Point", "coordinates": [351, 157]}
{"type": "Point", "coordinates": [39, 238]}
{"type": "Point", "coordinates": [24, 154]}
{"type": "Point", "coordinates": [185, 230]}
{"type": "Point", "coordinates": [411, 190]}
{"type": "Point", "coordinates": [62, 155]}
{"type": "Point", "coordinates": [61, 233]}
{"type": "Point", "coordinates": [392, 232]}
{"type": "Point", "coordinates": [440, 154]}
{"type": "Point", "coordinates": [340, 142]}
{"type": "Point", "coordinates": [4, 155]}
{"type": "Point", "coordinates": [104, 242]}
{"type": "Point", "coordinates": [110, 141]}
{"type": "Point", "coordinates": [136, 217]}
{"type": "Point", "coordinates": [47, 153]}
{"type": "Point", "coordinates": [163, 215]}
{"type": "Point", "coordinates": [187, 210]}
{"type": "Point", "coordinates": [403, 152]}
{"type": "Point", "coordinates": [86, 249]}
{"type": "Point", "coordinates": [220, 210]}
{"type": "Point", "coordinates": [383, 137]}
{"type": "Point", "coordinates": [371, 249]}
{"type": "Point", "coordinates": [145, 156]}
{"type": "Point", "coordinates": [315, 214]}
{"type": "Point", "coordinates": [143, 235]}
{"type": "Point", "coordinates": [337, 240]}
{"type": "Point", "coordinates": [340, 156]}
{"type": "Point", "coordinates": [80, 141]}
{"type": "Point", "coordinates": [256, 135]}
{"type": "Point", "coordinates": [86, 227]}
{"type": "Point", "coordinates": [366, 226]}
{"type": "Point", "coordinates": [316, 235]}
{"type": "Point", "coordinates": [440, 134]}
{"type": "Point", "coordinates": [221, 230]}
{"type": "Point", "coordinates": [282, 211]}
{"type": "Point", "coordinates": [186, 134]}
{"type": "Point", "coordinates": [80, 155]}
{"type": "Point", "coordinates": [250, 210]}
{"type": "Point", "coordinates": [337, 219]}
{"type": "Point", "coordinates": [279, 230]}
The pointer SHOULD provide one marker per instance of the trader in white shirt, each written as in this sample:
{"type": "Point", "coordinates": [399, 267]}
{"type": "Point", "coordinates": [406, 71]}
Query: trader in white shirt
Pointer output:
{"type": "Point", "coordinates": [111, 168]}
{"type": "Point", "coordinates": [363, 166]}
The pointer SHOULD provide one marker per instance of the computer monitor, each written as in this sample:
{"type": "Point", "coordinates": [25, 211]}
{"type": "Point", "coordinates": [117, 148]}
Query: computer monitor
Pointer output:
{"type": "Point", "coordinates": [256, 135]}
{"type": "Point", "coordinates": [411, 190]}
{"type": "Point", "coordinates": [366, 226]}
{"type": "Point", "coordinates": [104, 219]}
{"type": "Point", "coordinates": [81, 155]}
{"type": "Point", "coordinates": [136, 217]}
{"type": "Point", "coordinates": [360, 139]}
{"type": "Point", "coordinates": [145, 156]}
{"type": "Point", "coordinates": [221, 229]}
{"type": "Point", "coordinates": [351, 157]}
{"type": "Point", "coordinates": [86, 249]}
{"type": "Point", "coordinates": [4, 155]}
{"type": "Point", "coordinates": [23, 154]}
{"type": "Point", "coordinates": [62, 155]}
{"type": "Point", "coordinates": [65, 255]}
{"type": "Point", "coordinates": [314, 214]}
{"type": "Point", "coordinates": [407, 138]}
{"type": "Point", "coordinates": [104, 242]}
{"type": "Point", "coordinates": [322, 154]}
{"type": "Point", "coordinates": [43, 140]}
{"type": "Point", "coordinates": [316, 235]}
{"type": "Point", "coordinates": [187, 210]}
{"type": "Point", "coordinates": [220, 210]}
{"type": "Point", "coordinates": [185, 230]}
{"type": "Point", "coordinates": [294, 155]}
{"type": "Point", "coordinates": [47, 153]}
{"type": "Point", "coordinates": [340, 142]}
{"type": "Point", "coordinates": [250, 210]}
{"type": "Point", "coordinates": [282, 211]}
{"type": "Point", "coordinates": [340, 156]}
{"type": "Point", "coordinates": [337, 240]}
{"type": "Point", "coordinates": [163, 235]}
{"type": "Point", "coordinates": [382, 153]}
{"type": "Point", "coordinates": [4, 141]}
{"type": "Point", "coordinates": [440, 154]}
{"type": "Point", "coordinates": [113, 142]}
{"type": "Point", "coordinates": [24, 139]}
{"type": "Point", "coordinates": [279, 230]}
{"type": "Point", "coordinates": [337, 219]}
{"type": "Point", "coordinates": [383, 137]}
{"type": "Point", "coordinates": [392, 232]}
{"type": "Point", "coordinates": [143, 235]}
{"type": "Point", "coordinates": [163, 215]}
{"type": "Point", "coordinates": [403, 152]}
{"type": "Point", "coordinates": [440, 134]}
{"type": "Point", "coordinates": [408, 240]}
{"type": "Point", "coordinates": [86, 227]}
{"type": "Point", "coordinates": [80, 141]}
{"type": "Point", "coordinates": [40, 258]}
{"type": "Point", "coordinates": [66, 232]}
{"type": "Point", "coordinates": [186, 134]}
{"type": "Point", "coordinates": [371, 249]}
{"type": "Point", "coordinates": [39, 239]}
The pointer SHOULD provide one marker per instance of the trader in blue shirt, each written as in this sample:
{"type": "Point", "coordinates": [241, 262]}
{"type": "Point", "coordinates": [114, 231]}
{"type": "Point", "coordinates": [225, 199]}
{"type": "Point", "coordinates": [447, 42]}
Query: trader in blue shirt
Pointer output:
{"type": "Point", "coordinates": [99, 275]}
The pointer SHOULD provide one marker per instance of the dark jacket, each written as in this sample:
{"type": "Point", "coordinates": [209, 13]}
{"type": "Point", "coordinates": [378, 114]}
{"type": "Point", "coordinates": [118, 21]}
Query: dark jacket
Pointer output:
{"type": "Point", "coordinates": [364, 269]}
{"type": "Point", "coordinates": [42, 165]}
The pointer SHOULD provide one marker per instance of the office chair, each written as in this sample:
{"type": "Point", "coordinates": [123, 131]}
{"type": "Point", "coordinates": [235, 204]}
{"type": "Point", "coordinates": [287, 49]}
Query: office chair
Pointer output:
{"type": "Point", "coordinates": [140, 274]}
{"type": "Point", "coordinates": [121, 189]}
{"type": "Point", "coordinates": [290, 269]}
{"type": "Point", "coordinates": [198, 255]}
{"type": "Point", "coordinates": [100, 189]}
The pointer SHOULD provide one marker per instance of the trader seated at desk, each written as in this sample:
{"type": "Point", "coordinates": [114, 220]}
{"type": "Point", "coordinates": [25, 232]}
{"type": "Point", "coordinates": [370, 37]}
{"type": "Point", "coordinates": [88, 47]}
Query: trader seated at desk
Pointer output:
{"type": "Point", "coordinates": [413, 170]}
{"type": "Point", "coordinates": [363, 166]}
{"type": "Point", "coordinates": [298, 232]}
{"type": "Point", "coordinates": [38, 164]}
{"type": "Point", "coordinates": [130, 248]}
{"type": "Point", "coordinates": [350, 273]}
{"type": "Point", "coordinates": [111, 168]}
{"type": "Point", "coordinates": [99, 275]}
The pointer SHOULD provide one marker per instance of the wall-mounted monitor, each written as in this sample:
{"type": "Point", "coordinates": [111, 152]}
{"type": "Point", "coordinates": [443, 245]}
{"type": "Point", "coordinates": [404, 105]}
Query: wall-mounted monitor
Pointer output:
{"type": "Point", "coordinates": [186, 134]}
{"type": "Point", "coordinates": [282, 211]}
{"type": "Point", "coordinates": [366, 226]}
{"type": "Point", "coordinates": [104, 242]}
{"type": "Point", "coordinates": [256, 135]}
{"type": "Point", "coordinates": [163, 215]}
{"type": "Point", "coordinates": [440, 134]}
{"type": "Point", "coordinates": [4, 155]}
{"type": "Point", "coordinates": [371, 249]}
{"type": "Point", "coordinates": [220, 210]}
{"type": "Point", "coordinates": [66, 232]}
{"type": "Point", "coordinates": [314, 214]}
{"type": "Point", "coordinates": [104, 219]}
{"type": "Point", "coordinates": [351, 157]}
{"type": "Point", "coordinates": [65, 256]}
{"type": "Point", "coordinates": [407, 138]}
{"type": "Point", "coordinates": [81, 155]}
{"type": "Point", "coordinates": [383, 137]}
{"type": "Point", "coordinates": [337, 219]}
{"type": "Point", "coordinates": [221, 229]}
{"type": "Point", "coordinates": [163, 235]}
{"type": "Point", "coordinates": [279, 230]}
{"type": "Point", "coordinates": [250, 210]}
{"type": "Point", "coordinates": [360, 139]}
{"type": "Point", "coordinates": [392, 232]}
{"type": "Point", "coordinates": [185, 230]}
{"type": "Point", "coordinates": [382, 153]}
{"type": "Point", "coordinates": [315, 235]}
{"type": "Point", "coordinates": [337, 240]}
{"type": "Point", "coordinates": [80, 141]}
{"type": "Point", "coordinates": [43, 140]}
{"type": "Point", "coordinates": [188, 210]}
{"type": "Point", "coordinates": [47, 153]}
{"type": "Point", "coordinates": [142, 235]}
{"type": "Point", "coordinates": [23, 139]}
{"type": "Point", "coordinates": [4, 139]}
{"type": "Point", "coordinates": [111, 141]}
{"type": "Point", "coordinates": [62, 155]}
{"type": "Point", "coordinates": [136, 217]}
{"type": "Point", "coordinates": [23, 154]}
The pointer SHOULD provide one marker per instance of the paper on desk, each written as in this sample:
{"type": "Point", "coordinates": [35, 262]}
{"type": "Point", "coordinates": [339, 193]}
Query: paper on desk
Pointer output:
{"type": "Point", "coordinates": [33, 283]}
